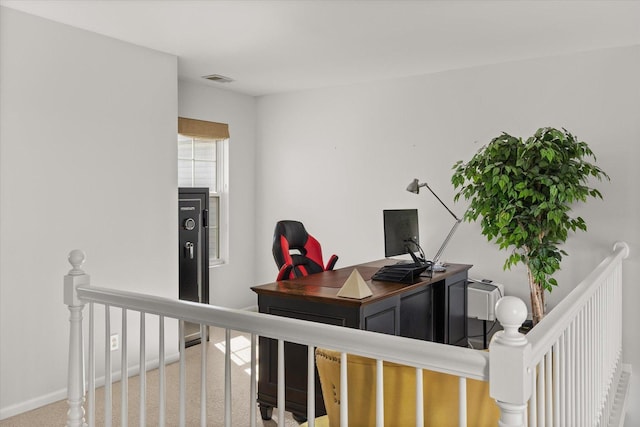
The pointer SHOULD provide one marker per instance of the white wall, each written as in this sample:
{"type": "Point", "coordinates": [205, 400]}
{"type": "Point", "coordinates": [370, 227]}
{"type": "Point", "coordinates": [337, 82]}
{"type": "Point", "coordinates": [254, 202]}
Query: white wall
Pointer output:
{"type": "Point", "coordinates": [230, 282]}
{"type": "Point", "coordinates": [335, 158]}
{"type": "Point", "coordinates": [87, 160]}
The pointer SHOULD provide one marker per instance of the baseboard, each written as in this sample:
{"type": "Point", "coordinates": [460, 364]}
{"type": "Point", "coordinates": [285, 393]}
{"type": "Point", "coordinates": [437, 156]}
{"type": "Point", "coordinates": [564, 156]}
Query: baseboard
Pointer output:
{"type": "Point", "coordinates": [31, 404]}
{"type": "Point", "coordinates": [56, 396]}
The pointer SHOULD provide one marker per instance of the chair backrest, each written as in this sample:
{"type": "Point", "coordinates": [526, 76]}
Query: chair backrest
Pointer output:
{"type": "Point", "coordinates": [440, 393]}
{"type": "Point", "coordinates": [292, 245]}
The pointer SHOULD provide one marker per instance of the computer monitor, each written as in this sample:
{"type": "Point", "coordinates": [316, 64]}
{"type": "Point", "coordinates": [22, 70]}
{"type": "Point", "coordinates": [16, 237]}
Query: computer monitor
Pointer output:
{"type": "Point", "coordinates": [400, 232]}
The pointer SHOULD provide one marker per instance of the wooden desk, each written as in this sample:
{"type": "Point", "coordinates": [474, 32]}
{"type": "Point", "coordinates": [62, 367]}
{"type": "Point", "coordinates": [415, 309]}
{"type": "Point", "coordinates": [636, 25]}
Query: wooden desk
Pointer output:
{"type": "Point", "coordinates": [434, 309]}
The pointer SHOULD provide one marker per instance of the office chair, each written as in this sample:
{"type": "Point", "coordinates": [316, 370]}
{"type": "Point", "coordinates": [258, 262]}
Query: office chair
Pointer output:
{"type": "Point", "coordinates": [296, 252]}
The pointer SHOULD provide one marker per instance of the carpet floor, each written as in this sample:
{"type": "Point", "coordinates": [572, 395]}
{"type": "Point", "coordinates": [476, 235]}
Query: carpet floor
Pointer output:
{"type": "Point", "coordinates": [241, 405]}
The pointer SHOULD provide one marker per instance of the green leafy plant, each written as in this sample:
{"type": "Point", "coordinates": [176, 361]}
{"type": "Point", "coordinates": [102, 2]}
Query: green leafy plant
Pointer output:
{"type": "Point", "coordinates": [523, 191]}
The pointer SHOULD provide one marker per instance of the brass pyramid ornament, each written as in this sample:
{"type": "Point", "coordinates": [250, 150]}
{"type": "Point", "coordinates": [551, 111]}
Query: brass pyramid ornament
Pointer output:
{"type": "Point", "coordinates": [355, 287]}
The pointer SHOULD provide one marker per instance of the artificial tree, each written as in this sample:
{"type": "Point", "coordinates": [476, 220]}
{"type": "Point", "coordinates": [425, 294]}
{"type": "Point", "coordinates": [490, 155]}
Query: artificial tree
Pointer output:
{"type": "Point", "coordinates": [523, 191]}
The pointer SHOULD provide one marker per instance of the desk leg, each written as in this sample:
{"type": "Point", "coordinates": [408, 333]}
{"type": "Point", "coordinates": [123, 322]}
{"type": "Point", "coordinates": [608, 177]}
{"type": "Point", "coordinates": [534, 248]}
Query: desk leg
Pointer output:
{"type": "Point", "coordinates": [299, 418]}
{"type": "Point", "coordinates": [266, 412]}
{"type": "Point", "coordinates": [484, 333]}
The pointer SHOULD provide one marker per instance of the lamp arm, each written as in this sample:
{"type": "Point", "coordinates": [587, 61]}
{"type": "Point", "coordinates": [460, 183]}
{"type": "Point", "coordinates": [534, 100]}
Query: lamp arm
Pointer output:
{"type": "Point", "coordinates": [414, 187]}
{"type": "Point", "coordinates": [441, 202]}
{"type": "Point", "coordinates": [436, 258]}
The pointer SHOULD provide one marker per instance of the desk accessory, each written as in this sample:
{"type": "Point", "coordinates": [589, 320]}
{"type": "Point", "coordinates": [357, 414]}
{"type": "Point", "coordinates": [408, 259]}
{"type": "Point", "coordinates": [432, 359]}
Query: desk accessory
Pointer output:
{"type": "Point", "coordinates": [414, 187]}
{"type": "Point", "coordinates": [403, 273]}
{"type": "Point", "coordinates": [355, 287]}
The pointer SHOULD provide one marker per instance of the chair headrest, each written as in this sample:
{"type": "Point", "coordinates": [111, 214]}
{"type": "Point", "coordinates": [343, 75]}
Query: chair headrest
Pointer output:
{"type": "Point", "coordinates": [294, 232]}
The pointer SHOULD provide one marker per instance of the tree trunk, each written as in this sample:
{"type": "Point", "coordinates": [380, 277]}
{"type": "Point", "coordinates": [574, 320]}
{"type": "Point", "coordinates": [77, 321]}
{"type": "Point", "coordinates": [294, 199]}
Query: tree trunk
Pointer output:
{"type": "Point", "coordinates": [537, 299]}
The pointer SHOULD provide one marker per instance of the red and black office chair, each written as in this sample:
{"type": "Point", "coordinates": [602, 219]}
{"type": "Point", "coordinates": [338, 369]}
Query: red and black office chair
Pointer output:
{"type": "Point", "coordinates": [296, 252]}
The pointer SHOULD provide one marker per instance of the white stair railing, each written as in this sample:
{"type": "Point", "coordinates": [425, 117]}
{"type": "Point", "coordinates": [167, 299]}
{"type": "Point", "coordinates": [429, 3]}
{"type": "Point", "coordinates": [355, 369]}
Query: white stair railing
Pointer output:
{"type": "Point", "coordinates": [532, 378]}
{"type": "Point", "coordinates": [459, 361]}
{"type": "Point", "coordinates": [567, 371]}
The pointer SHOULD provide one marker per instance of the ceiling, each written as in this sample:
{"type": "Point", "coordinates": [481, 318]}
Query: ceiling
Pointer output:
{"type": "Point", "coordinates": [279, 46]}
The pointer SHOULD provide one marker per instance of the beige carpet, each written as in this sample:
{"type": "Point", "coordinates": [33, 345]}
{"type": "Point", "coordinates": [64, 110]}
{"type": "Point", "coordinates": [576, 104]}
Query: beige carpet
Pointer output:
{"type": "Point", "coordinates": [55, 414]}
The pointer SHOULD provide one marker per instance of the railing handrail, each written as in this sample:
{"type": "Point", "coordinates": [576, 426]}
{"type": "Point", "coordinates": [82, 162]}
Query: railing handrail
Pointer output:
{"type": "Point", "coordinates": [547, 332]}
{"type": "Point", "coordinates": [448, 359]}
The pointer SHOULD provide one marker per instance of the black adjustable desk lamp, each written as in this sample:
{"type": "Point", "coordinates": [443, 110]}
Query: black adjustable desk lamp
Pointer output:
{"type": "Point", "coordinates": [414, 187]}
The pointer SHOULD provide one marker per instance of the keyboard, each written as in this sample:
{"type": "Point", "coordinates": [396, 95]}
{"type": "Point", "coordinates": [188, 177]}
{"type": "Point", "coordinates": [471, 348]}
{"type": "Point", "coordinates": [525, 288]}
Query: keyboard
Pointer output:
{"type": "Point", "coordinates": [401, 273]}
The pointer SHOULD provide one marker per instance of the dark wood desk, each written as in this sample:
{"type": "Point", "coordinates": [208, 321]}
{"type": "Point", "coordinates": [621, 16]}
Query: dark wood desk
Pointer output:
{"type": "Point", "coordinates": [433, 309]}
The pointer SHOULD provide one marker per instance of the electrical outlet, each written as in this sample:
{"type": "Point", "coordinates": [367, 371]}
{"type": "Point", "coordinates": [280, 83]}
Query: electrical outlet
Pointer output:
{"type": "Point", "coordinates": [115, 342]}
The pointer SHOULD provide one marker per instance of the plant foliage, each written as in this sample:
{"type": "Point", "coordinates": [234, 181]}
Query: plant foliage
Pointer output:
{"type": "Point", "coordinates": [523, 192]}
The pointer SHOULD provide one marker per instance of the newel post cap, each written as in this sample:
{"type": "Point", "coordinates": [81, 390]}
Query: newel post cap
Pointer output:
{"type": "Point", "coordinates": [76, 259]}
{"type": "Point", "coordinates": [511, 313]}
{"type": "Point", "coordinates": [76, 277]}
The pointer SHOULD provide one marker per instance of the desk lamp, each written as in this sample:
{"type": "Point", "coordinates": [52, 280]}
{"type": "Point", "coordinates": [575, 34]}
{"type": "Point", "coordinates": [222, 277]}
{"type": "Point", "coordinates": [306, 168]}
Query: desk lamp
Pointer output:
{"type": "Point", "coordinates": [414, 187]}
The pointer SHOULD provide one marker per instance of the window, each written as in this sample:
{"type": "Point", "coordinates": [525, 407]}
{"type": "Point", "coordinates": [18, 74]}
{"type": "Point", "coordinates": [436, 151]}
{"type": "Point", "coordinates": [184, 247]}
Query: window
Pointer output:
{"type": "Point", "coordinates": [202, 160]}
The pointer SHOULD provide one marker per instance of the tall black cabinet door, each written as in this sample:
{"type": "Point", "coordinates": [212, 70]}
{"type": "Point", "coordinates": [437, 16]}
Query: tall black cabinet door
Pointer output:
{"type": "Point", "coordinates": [193, 250]}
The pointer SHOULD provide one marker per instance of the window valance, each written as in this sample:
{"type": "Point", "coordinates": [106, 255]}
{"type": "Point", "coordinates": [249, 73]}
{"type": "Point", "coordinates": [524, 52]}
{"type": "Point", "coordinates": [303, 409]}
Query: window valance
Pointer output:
{"type": "Point", "coordinates": [202, 129]}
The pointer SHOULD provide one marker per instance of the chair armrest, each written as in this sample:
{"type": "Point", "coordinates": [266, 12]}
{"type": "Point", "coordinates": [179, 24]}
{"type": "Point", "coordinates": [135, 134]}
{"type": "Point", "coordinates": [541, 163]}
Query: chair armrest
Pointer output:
{"type": "Point", "coordinates": [332, 262]}
{"type": "Point", "coordinates": [284, 272]}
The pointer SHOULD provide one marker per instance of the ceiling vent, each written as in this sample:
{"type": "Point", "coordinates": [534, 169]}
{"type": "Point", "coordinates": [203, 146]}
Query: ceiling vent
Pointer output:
{"type": "Point", "coordinates": [218, 78]}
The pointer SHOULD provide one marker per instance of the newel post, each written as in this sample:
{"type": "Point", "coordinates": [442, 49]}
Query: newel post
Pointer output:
{"type": "Point", "coordinates": [509, 371]}
{"type": "Point", "coordinates": [75, 381]}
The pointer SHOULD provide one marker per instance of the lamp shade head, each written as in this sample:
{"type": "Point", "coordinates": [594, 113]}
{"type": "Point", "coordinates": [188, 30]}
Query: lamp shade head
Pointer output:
{"type": "Point", "coordinates": [414, 187]}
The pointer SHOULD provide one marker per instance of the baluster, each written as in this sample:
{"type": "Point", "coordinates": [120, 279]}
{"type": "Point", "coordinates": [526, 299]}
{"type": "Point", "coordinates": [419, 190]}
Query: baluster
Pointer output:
{"type": "Point", "coordinates": [182, 414]}
{"type": "Point", "coordinates": [379, 393]}
{"type": "Point", "coordinates": [311, 386]}
{"type": "Point", "coordinates": [252, 388]}
{"type": "Point", "coordinates": [107, 367]}
{"type": "Point", "coordinates": [580, 339]}
{"type": "Point", "coordinates": [203, 374]}
{"type": "Point", "coordinates": [75, 375]}
{"type": "Point", "coordinates": [281, 384]}
{"type": "Point", "coordinates": [344, 391]}
{"type": "Point", "coordinates": [548, 393]}
{"type": "Point", "coordinates": [594, 380]}
{"type": "Point", "coordinates": [556, 383]}
{"type": "Point", "coordinates": [161, 375]}
{"type": "Point", "coordinates": [419, 399]}
{"type": "Point", "coordinates": [91, 403]}
{"type": "Point", "coordinates": [540, 390]}
{"type": "Point", "coordinates": [563, 378]}
{"type": "Point", "coordinates": [533, 402]}
{"type": "Point", "coordinates": [227, 378]}
{"type": "Point", "coordinates": [509, 370]}
{"type": "Point", "coordinates": [143, 370]}
{"type": "Point", "coordinates": [571, 361]}
{"type": "Point", "coordinates": [462, 396]}
{"type": "Point", "coordinates": [590, 351]}
{"type": "Point", "coordinates": [124, 372]}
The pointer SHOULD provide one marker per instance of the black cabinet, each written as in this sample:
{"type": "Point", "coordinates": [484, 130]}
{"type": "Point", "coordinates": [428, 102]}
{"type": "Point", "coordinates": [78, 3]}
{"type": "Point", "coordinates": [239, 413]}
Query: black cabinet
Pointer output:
{"type": "Point", "coordinates": [193, 252]}
{"type": "Point", "coordinates": [450, 310]}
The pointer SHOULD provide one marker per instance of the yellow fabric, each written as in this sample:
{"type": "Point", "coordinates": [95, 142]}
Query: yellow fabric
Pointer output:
{"type": "Point", "coordinates": [440, 394]}
{"type": "Point", "coordinates": [322, 421]}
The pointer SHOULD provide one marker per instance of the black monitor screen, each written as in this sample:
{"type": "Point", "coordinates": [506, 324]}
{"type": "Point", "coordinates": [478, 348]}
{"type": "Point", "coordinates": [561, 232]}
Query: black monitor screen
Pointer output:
{"type": "Point", "coordinates": [400, 229]}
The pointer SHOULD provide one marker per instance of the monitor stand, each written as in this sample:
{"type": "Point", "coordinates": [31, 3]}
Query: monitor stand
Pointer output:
{"type": "Point", "coordinates": [438, 267]}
